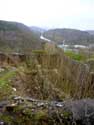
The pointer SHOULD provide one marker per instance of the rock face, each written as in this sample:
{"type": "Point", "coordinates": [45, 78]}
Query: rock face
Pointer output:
{"type": "Point", "coordinates": [54, 73]}
{"type": "Point", "coordinates": [12, 58]}
{"type": "Point", "coordinates": [54, 82]}
{"type": "Point", "coordinates": [31, 111]}
{"type": "Point", "coordinates": [68, 75]}
{"type": "Point", "coordinates": [90, 63]}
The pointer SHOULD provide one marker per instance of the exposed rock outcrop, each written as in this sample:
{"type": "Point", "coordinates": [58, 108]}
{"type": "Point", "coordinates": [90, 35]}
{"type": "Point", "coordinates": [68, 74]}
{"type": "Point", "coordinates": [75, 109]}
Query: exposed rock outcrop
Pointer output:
{"type": "Point", "coordinates": [30, 111]}
{"type": "Point", "coordinates": [55, 71]}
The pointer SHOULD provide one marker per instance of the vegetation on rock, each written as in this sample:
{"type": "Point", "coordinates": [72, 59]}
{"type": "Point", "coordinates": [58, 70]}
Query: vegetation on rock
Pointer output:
{"type": "Point", "coordinates": [45, 86]}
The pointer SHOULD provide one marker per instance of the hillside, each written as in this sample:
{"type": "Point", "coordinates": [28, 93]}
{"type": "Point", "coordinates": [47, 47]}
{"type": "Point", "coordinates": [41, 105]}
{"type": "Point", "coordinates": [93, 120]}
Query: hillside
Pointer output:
{"type": "Point", "coordinates": [90, 32]}
{"type": "Point", "coordinates": [17, 37]}
{"type": "Point", "coordinates": [37, 29]}
{"type": "Point", "coordinates": [71, 36]}
{"type": "Point", "coordinates": [46, 89]}
{"type": "Point", "coordinates": [45, 85]}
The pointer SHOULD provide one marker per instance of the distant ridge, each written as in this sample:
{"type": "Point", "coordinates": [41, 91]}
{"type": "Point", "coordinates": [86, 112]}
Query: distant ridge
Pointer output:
{"type": "Point", "coordinates": [91, 32]}
{"type": "Point", "coordinates": [71, 36]}
{"type": "Point", "coordinates": [16, 36]}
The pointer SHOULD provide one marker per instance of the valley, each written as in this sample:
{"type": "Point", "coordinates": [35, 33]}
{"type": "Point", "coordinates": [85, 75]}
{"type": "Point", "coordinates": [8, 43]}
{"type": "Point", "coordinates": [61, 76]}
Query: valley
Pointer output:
{"type": "Point", "coordinates": [46, 76]}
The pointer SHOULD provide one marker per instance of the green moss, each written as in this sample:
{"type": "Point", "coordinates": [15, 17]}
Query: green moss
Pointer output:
{"type": "Point", "coordinates": [7, 119]}
{"type": "Point", "coordinates": [39, 52]}
{"type": "Point", "coordinates": [5, 86]}
{"type": "Point", "coordinates": [67, 114]}
{"type": "Point", "coordinates": [75, 56]}
{"type": "Point", "coordinates": [5, 77]}
{"type": "Point", "coordinates": [40, 115]}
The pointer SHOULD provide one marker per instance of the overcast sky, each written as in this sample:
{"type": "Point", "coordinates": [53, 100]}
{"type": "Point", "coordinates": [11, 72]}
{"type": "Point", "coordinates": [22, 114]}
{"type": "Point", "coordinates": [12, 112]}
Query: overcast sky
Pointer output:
{"type": "Point", "coordinates": [50, 13]}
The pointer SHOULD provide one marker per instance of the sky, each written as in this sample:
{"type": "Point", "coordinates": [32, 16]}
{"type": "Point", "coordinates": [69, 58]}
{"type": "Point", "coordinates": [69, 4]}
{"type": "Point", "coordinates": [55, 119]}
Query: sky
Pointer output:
{"type": "Point", "coordinates": [78, 14]}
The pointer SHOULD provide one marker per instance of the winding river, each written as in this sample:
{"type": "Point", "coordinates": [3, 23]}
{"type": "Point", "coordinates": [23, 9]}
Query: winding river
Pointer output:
{"type": "Point", "coordinates": [63, 45]}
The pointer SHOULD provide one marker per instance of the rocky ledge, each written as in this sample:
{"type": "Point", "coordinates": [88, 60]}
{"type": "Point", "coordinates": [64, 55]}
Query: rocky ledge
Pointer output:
{"type": "Point", "coordinates": [28, 111]}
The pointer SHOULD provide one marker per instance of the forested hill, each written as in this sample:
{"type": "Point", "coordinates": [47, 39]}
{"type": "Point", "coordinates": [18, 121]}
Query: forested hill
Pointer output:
{"type": "Point", "coordinates": [90, 32]}
{"type": "Point", "coordinates": [71, 36]}
{"type": "Point", "coordinates": [17, 37]}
